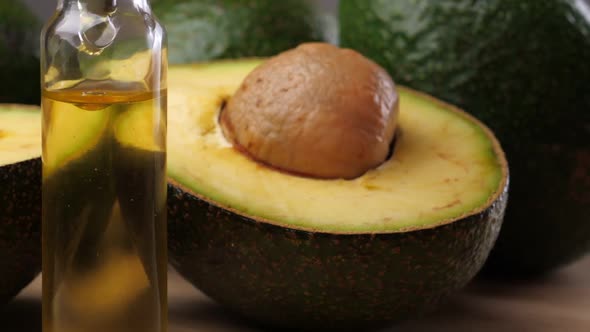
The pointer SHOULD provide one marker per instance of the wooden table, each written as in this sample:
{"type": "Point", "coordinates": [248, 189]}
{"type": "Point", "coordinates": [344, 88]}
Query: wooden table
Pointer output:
{"type": "Point", "coordinates": [559, 303]}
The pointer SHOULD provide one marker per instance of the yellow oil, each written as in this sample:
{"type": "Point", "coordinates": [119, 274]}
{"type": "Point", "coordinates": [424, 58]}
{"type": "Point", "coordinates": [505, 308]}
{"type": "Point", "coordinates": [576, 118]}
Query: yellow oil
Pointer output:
{"type": "Point", "coordinates": [104, 209]}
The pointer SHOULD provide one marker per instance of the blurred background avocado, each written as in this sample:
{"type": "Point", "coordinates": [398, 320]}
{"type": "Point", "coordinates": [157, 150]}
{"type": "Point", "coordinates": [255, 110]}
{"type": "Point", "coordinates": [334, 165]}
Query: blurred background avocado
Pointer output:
{"type": "Point", "coordinates": [44, 8]}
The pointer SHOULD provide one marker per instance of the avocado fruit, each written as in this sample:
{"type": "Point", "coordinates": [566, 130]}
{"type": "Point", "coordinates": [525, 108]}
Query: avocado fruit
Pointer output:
{"type": "Point", "coordinates": [293, 251]}
{"type": "Point", "coordinates": [523, 68]}
{"type": "Point", "coordinates": [20, 192]}
{"type": "Point", "coordinates": [19, 49]}
{"type": "Point", "coordinates": [200, 30]}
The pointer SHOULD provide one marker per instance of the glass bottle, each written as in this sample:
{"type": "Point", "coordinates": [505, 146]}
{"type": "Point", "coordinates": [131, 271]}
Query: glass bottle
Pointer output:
{"type": "Point", "coordinates": [103, 67]}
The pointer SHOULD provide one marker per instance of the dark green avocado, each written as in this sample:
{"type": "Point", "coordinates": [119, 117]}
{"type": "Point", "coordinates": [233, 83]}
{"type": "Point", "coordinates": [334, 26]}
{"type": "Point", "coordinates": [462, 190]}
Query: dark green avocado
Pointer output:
{"type": "Point", "coordinates": [216, 29]}
{"type": "Point", "coordinates": [523, 68]}
{"type": "Point", "coordinates": [19, 50]}
{"type": "Point", "coordinates": [291, 251]}
{"type": "Point", "coordinates": [20, 194]}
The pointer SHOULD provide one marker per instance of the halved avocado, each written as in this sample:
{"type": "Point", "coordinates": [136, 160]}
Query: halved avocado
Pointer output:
{"type": "Point", "coordinates": [302, 252]}
{"type": "Point", "coordinates": [20, 193]}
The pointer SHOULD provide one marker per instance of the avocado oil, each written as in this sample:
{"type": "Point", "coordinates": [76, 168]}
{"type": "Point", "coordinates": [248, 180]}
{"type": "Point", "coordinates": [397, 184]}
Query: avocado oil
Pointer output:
{"type": "Point", "coordinates": [104, 168]}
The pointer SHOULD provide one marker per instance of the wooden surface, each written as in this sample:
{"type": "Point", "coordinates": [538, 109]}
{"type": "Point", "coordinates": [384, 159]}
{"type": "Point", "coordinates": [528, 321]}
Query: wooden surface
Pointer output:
{"type": "Point", "coordinates": [559, 303]}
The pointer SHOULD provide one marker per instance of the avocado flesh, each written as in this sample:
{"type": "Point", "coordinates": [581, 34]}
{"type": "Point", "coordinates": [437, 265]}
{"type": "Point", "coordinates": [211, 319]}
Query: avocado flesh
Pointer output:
{"type": "Point", "coordinates": [522, 68]}
{"type": "Point", "coordinates": [20, 137]}
{"type": "Point", "coordinates": [317, 273]}
{"type": "Point", "coordinates": [20, 192]}
{"type": "Point", "coordinates": [444, 166]}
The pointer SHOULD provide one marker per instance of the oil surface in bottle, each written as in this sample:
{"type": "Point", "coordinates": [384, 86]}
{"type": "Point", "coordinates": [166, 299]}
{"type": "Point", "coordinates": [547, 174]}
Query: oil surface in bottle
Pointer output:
{"type": "Point", "coordinates": [104, 206]}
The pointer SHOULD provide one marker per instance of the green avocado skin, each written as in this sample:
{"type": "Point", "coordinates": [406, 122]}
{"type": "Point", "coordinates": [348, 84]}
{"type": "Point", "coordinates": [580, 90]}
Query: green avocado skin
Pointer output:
{"type": "Point", "coordinates": [291, 278]}
{"type": "Point", "coordinates": [221, 29]}
{"type": "Point", "coordinates": [523, 68]}
{"type": "Point", "coordinates": [19, 49]}
{"type": "Point", "coordinates": [20, 226]}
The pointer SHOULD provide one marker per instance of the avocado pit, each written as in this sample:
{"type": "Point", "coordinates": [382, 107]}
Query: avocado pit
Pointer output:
{"type": "Point", "coordinates": [316, 110]}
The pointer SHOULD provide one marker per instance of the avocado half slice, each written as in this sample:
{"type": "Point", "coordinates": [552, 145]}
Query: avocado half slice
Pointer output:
{"type": "Point", "coordinates": [20, 193]}
{"type": "Point", "coordinates": [296, 251]}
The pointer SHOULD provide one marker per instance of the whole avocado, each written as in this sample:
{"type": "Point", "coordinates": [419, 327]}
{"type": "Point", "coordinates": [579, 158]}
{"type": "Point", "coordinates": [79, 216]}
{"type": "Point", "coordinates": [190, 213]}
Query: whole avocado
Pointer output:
{"type": "Point", "coordinates": [200, 30]}
{"type": "Point", "coordinates": [19, 49]}
{"type": "Point", "coordinates": [523, 67]}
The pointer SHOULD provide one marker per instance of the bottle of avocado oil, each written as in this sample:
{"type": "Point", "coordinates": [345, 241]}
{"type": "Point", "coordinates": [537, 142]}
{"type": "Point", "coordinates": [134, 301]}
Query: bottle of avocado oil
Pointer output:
{"type": "Point", "coordinates": [103, 67]}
